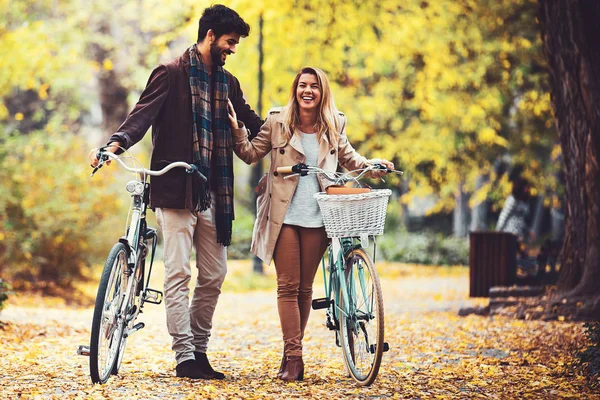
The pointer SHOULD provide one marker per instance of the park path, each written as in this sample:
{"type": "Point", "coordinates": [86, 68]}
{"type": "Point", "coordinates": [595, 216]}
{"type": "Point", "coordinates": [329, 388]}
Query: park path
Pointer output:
{"type": "Point", "coordinates": [434, 353]}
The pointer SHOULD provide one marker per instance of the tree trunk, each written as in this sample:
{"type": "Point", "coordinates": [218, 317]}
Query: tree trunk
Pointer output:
{"type": "Point", "coordinates": [404, 188]}
{"type": "Point", "coordinates": [570, 31]}
{"type": "Point", "coordinates": [113, 95]}
{"type": "Point", "coordinates": [461, 212]}
{"type": "Point", "coordinates": [479, 213]}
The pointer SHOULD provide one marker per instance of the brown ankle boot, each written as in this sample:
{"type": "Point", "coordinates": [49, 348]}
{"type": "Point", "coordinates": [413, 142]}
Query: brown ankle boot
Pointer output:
{"type": "Point", "coordinates": [294, 369]}
{"type": "Point", "coordinates": [282, 366]}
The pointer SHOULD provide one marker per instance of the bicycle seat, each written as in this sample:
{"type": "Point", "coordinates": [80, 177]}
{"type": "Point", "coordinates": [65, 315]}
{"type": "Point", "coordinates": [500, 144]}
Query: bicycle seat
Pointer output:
{"type": "Point", "coordinates": [336, 189]}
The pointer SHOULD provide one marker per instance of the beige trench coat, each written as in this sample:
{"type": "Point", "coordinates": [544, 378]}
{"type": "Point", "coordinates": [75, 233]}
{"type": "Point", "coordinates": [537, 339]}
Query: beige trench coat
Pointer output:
{"type": "Point", "coordinates": [275, 193]}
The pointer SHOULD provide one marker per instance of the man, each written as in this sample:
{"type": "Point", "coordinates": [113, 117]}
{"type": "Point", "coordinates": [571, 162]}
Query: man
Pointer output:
{"type": "Point", "coordinates": [185, 101]}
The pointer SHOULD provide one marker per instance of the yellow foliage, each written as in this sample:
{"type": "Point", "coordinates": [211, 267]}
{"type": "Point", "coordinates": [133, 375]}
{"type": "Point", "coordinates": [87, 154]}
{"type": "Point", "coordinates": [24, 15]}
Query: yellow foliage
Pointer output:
{"type": "Point", "coordinates": [107, 65]}
{"type": "Point", "coordinates": [445, 83]}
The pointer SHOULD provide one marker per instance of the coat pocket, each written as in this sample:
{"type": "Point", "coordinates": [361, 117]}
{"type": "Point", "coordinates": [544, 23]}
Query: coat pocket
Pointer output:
{"type": "Point", "coordinates": [262, 185]}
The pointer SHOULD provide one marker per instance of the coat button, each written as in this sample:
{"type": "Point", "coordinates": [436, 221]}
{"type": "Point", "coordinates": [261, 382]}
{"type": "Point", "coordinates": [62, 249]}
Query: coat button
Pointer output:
{"type": "Point", "coordinates": [275, 173]}
{"type": "Point", "coordinates": [281, 151]}
{"type": "Point", "coordinates": [332, 152]}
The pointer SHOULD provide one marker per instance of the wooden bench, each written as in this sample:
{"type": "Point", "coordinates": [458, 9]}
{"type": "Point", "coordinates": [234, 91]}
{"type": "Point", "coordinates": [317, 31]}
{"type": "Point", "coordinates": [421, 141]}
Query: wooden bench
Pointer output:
{"type": "Point", "coordinates": [494, 261]}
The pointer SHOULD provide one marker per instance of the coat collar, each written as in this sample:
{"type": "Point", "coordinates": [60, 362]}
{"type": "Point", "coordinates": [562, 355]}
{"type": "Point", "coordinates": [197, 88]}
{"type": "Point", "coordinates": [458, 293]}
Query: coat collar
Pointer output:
{"type": "Point", "coordinates": [295, 142]}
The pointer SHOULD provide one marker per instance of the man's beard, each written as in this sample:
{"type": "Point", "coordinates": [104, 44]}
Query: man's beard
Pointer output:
{"type": "Point", "coordinates": [215, 54]}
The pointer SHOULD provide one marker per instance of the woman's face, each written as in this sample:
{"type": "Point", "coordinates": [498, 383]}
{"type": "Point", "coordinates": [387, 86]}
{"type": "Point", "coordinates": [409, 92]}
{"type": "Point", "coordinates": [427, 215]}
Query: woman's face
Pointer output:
{"type": "Point", "coordinates": [308, 93]}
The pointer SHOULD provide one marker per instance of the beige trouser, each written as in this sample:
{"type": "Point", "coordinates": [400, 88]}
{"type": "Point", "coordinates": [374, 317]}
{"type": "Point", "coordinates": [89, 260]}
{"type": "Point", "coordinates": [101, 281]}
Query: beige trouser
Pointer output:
{"type": "Point", "coordinates": [190, 325]}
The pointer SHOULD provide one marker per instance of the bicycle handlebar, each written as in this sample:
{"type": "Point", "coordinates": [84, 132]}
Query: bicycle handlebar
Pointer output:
{"type": "Point", "coordinates": [303, 170]}
{"type": "Point", "coordinates": [104, 156]}
{"type": "Point", "coordinates": [300, 168]}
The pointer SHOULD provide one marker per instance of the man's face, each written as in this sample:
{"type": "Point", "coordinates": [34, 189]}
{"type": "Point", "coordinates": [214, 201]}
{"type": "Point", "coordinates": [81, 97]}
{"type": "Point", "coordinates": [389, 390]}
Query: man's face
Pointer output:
{"type": "Point", "coordinates": [222, 47]}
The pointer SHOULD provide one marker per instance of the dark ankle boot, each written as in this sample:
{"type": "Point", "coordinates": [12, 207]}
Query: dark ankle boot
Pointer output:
{"type": "Point", "coordinates": [206, 368]}
{"type": "Point", "coordinates": [294, 369]}
{"type": "Point", "coordinates": [282, 366]}
{"type": "Point", "coordinates": [189, 369]}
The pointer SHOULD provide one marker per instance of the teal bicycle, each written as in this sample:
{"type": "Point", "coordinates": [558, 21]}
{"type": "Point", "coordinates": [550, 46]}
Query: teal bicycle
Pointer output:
{"type": "Point", "coordinates": [353, 296]}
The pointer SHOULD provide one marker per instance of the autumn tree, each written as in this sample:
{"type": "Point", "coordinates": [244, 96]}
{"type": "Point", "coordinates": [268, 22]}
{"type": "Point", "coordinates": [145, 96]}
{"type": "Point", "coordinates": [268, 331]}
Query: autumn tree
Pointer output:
{"type": "Point", "coordinates": [570, 32]}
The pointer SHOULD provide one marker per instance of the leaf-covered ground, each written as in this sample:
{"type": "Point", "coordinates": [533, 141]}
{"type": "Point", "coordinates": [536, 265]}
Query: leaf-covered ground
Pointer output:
{"type": "Point", "coordinates": [434, 353]}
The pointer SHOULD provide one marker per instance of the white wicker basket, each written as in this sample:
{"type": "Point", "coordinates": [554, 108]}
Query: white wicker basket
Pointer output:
{"type": "Point", "coordinates": [354, 215]}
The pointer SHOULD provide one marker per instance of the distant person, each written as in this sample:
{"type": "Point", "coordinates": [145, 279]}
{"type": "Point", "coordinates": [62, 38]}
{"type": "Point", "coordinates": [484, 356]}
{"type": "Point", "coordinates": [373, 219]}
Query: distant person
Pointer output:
{"type": "Point", "coordinates": [289, 227]}
{"type": "Point", "coordinates": [186, 102]}
{"type": "Point", "coordinates": [515, 213]}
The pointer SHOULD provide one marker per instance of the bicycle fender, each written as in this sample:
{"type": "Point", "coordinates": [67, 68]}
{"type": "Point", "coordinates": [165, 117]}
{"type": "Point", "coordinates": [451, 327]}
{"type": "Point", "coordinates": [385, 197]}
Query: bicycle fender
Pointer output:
{"type": "Point", "coordinates": [124, 240]}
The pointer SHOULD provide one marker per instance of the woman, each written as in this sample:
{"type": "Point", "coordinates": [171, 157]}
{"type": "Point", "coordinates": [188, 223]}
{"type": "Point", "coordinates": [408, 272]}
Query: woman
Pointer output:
{"type": "Point", "coordinates": [289, 227]}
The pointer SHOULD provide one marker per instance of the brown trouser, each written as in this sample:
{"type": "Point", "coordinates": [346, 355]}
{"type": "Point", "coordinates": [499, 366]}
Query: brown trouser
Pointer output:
{"type": "Point", "coordinates": [297, 254]}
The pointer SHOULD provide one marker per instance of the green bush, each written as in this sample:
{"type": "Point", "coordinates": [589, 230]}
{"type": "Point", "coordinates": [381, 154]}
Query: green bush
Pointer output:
{"type": "Point", "coordinates": [4, 292]}
{"type": "Point", "coordinates": [241, 239]}
{"type": "Point", "coordinates": [51, 213]}
{"type": "Point", "coordinates": [423, 248]}
{"type": "Point", "coordinates": [590, 357]}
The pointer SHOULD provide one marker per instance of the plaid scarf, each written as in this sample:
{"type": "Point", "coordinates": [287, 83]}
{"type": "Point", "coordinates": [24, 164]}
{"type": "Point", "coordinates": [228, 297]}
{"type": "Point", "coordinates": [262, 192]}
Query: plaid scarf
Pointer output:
{"type": "Point", "coordinates": [212, 138]}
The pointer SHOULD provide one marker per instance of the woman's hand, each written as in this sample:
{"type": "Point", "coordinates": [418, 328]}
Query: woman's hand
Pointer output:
{"type": "Point", "coordinates": [381, 172]}
{"type": "Point", "coordinates": [232, 115]}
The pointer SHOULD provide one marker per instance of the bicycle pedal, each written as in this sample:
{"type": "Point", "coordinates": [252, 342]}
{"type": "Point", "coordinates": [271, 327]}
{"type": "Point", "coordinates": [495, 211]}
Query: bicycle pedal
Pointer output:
{"type": "Point", "coordinates": [373, 347]}
{"type": "Point", "coordinates": [134, 329]}
{"type": "Point", "coordinates": [83, 350]}
{"type": "Point", "coordinates": [319, 304]}
{"type": "Point", "coordinates": [153, 296]}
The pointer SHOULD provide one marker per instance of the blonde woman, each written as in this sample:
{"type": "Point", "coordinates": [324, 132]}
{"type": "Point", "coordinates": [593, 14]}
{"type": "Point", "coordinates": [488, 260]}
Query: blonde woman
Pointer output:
{"type": "Point", "coordinates": [289, 227]}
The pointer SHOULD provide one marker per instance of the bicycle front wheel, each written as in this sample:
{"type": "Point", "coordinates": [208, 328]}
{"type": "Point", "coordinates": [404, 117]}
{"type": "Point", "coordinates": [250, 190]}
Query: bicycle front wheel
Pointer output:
{"type": "Point", "coordinates": [362, 321]}
{"type": "Point", "coordinates": [131, 311]}
{"type": "Point", "coordinates": [107, 322]}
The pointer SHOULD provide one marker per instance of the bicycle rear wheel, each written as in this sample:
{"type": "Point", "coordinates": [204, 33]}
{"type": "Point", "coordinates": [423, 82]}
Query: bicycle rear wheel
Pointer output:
{"type": "Point", "coordinates": [107, 323]}
{"type": "Point", "coordinates": [361, 330]}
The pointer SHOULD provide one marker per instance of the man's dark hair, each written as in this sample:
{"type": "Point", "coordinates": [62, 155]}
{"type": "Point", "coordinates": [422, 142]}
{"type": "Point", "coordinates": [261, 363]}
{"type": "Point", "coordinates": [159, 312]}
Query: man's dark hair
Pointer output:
{"type": "Point", "coordinates": [221, 20]}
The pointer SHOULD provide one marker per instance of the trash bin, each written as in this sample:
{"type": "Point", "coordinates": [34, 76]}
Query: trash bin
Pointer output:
{"type": "Point", "coordinates": [492, 261]}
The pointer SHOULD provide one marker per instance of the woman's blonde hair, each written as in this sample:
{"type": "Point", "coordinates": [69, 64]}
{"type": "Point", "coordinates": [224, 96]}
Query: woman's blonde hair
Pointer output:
{"type": "Point", "coordinates": [327, 124]}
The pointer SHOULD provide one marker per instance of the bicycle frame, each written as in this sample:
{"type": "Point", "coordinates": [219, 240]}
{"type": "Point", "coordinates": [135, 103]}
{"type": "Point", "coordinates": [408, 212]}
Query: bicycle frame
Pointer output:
{"type": "Point", "coordinates": [135, 232]}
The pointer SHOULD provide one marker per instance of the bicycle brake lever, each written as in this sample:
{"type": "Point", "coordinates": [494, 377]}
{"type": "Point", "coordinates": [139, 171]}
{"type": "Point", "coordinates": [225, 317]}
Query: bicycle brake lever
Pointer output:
{"type": "Point", "coordinates": [96, 168]}
{"type": "Point", "coordinates": [102, 158]}
{"type": "Point", "coordinates": [194, 169]}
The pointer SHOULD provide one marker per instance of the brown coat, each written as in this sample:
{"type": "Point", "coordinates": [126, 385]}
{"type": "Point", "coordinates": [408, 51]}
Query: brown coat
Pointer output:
{"type": "Point", "coordinates": [275, 193]}
{"type": "Point", "coordinates": [166, 105]}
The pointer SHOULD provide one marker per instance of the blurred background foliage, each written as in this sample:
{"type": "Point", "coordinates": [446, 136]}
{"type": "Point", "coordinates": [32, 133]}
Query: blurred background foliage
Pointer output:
{"type": "Point", "coordinates": [454, 91]}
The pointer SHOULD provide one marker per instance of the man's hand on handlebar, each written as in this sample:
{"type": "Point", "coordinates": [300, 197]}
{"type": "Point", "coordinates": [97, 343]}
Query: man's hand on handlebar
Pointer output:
{"type": "Point", "coordinates": [93, 154]}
